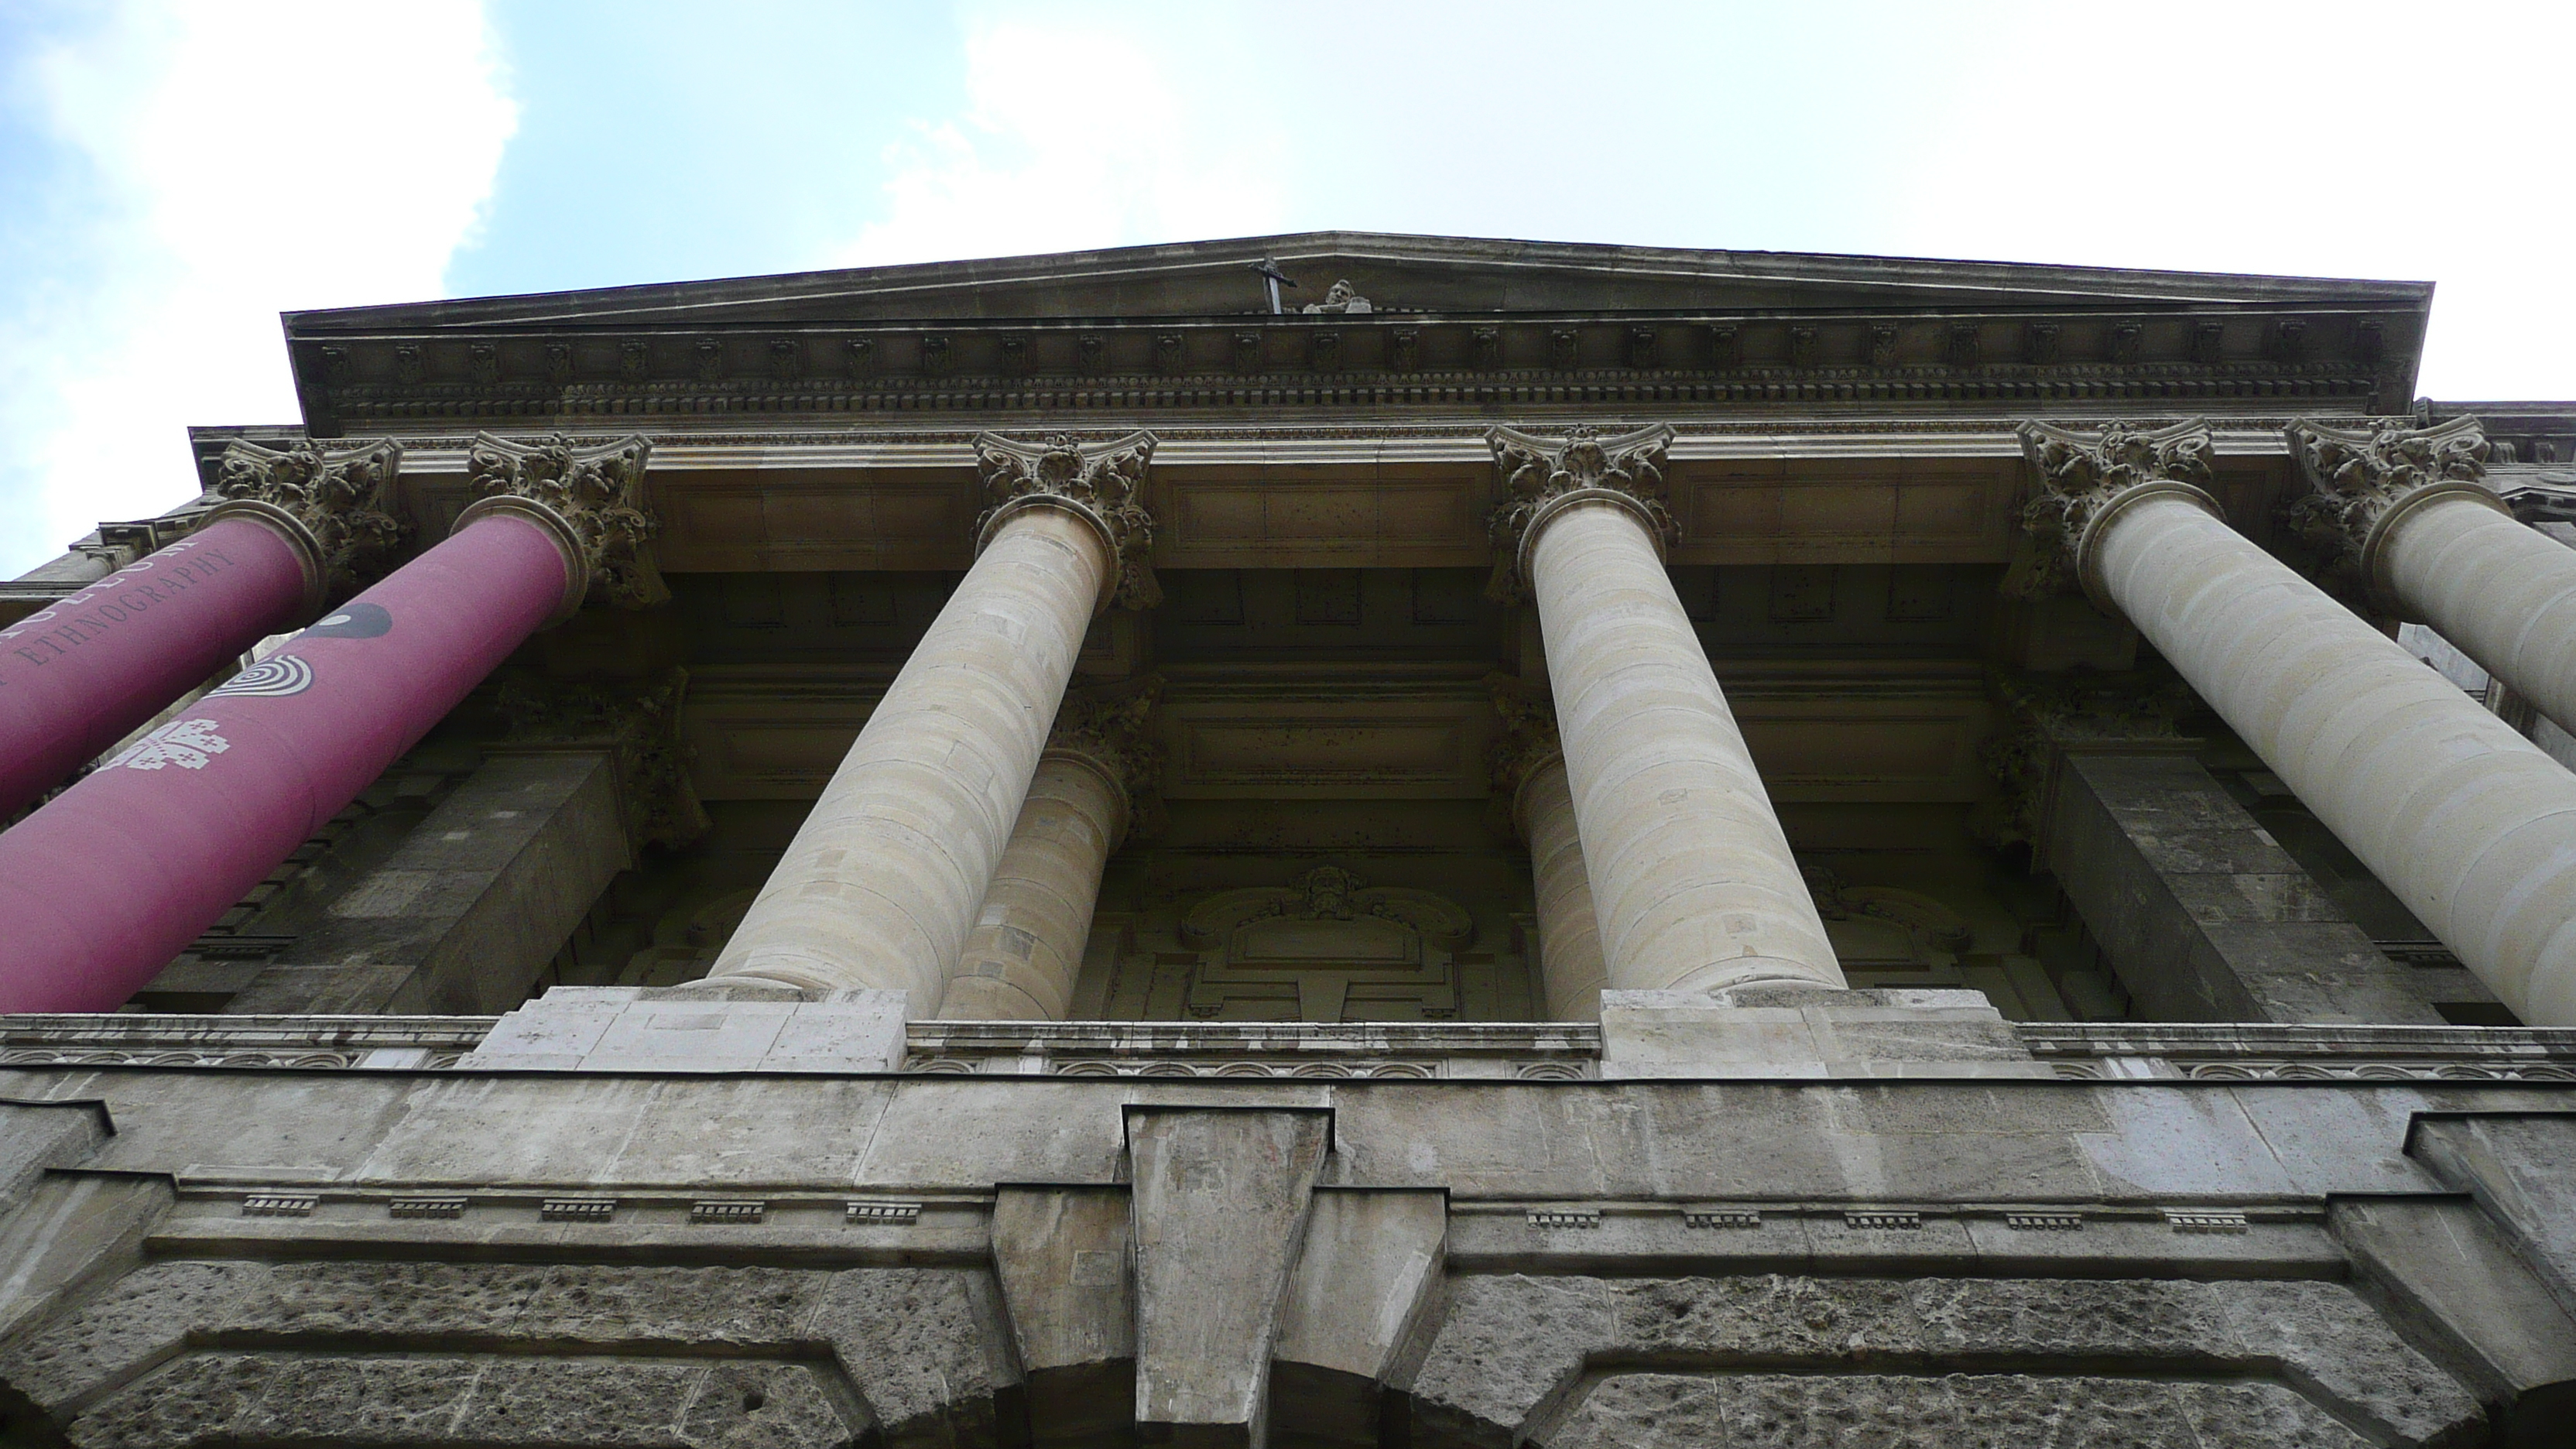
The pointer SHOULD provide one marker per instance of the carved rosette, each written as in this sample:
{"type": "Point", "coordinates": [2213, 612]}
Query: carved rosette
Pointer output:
{"type": "Point", "coordinates": [330, 503]}
{"type": "Point", "coordinates": [1543, 476]}
{"type": "Point", "coordinates": [1107, 733]}
{"type": "Point", "coordinates": [590, 496]}
{"type": "Point", "coordinates": [1102, 483]}
{"type": "Point", "coordinates": [2049, 718]}
{"type": "Point", "coordinates": [2361, 481]}
{"type": "Point", "coordinates": [2088, 479]}
{"type": "Point", "coordinates": [638, 724]}
{"type": "Point", "coordinates": [1527, 743]}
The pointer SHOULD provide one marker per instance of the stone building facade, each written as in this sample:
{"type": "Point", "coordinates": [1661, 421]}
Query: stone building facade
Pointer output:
{"type": "Point", "coordinates": [1568, 845]}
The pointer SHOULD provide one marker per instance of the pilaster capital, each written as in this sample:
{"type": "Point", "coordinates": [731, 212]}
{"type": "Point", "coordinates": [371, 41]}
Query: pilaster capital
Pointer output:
{"type": "Point", "coordinates": [1106, 732]}
{"type": "Point", "coordinates": [590, 496]}
{"type": "Point", "coordinates": [2087, 479]}
{"type": "Point", "coordinates": [1527, 743]}
{"type": "Point", "coordinates": [638, 725]}
{"type": "Point", "coordinates": [2363, 481]}
{"type": "Point", "coordinates": [1543, 476]}
{"type": "Point", "coordinates": [331, 503]}
{"type": "Point", "coordinates": [1101, 483]}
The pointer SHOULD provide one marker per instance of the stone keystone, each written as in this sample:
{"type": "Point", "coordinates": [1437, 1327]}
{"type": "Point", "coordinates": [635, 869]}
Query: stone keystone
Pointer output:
{"type": "Point", "coordinates": [1101, 483]}
{"type": "Point", "coordinates": [590, 496]}
{"type": "Point", "coordinates": [330, 503]}
{"type": "Point", "coordinates": [1220, 1199]}
{"type": "Point", "coordinates": [1542, 476]}
{"type": "Point", "coordinates": [2087, 479]}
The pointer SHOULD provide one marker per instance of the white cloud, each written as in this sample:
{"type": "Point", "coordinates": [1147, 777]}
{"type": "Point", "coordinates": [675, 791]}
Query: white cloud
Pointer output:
{"type": "Point", "coordinates": [2370, 138]}
{"type": "Point", "coordinates": [1075, 135]}
{"type": "Point", "coordinates": [241, 159]}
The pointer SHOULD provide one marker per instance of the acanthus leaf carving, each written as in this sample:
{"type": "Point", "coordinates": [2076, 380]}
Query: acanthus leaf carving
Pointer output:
{"type": "Point", "coordinates": [1108, 729]}
{"type": "Point", "coordinates": [1537, 471]}
{"type": "Point", "coordinates": [596, 491]}
{"type": "Point", "coordinates": [2084, 477]}
{"type": "Point", "coordinates": [2050, 716]}
{"type": "Point", "coordinates": [2361, 479]}
{"type": "Point", "coordinates": [1527, 743]}
{"type": "Point", "coordinates": [1106, 482]}
{"type": "Point", "coordinates": [638, 725]}
{"type": "Point", "coordinates": [340, 497]}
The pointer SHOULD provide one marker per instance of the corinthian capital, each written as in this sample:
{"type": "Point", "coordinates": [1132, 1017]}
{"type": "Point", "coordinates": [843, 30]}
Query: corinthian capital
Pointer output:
{"type": "Point", "coordinates": [2087, 479]}
{"type": "Point", "coordinates": [2361, 481]}
{"type": "Point", "coordinates": [1541, 476]}
{"type": "Point", "coordinates": [331, 503]}
{"type": "Point", "coordinates": [1527, 743]}
{"type": "Point", "coordinates": [591, 496]}
{"type": "Point", "coordinates": [1102, 483]}
{"type": "Point", "coordinates": [1108, 732]}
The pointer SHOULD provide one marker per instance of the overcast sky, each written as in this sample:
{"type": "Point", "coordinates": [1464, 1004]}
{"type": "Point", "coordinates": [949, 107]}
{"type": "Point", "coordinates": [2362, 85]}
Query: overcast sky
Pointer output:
{"type": "Point", "coordinates": [173, 174]}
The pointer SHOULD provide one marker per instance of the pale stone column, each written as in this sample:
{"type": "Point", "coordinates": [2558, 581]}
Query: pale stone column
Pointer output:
{"type": "Point", "coordinates": [1529, 779]}
{"type": "Point", "coordinates": [1026, 948]}
{"type": "Point", "coordinates": [1691, 876]}
{"type": "Point", "coordinates": [2409, 512]}
{"type": "Point", "coordinates": [880, 887]}
{"type": "Point", "coordinates": [2470, 824]}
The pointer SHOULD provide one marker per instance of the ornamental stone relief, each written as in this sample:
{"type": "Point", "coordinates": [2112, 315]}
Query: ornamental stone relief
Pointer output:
{"type": "Point", "coordinates": [339, 497]}
{"type": "Point", "coordinates": [1538, 471]}
{"type": "Point", "coordinates": [2084, 478]}
{"type": "Point", "coordinates": [597, 490]}
{"type": "Point", "coordinates": [2361, 480]}
{"type": "Point", "coordinates": [1106, 481]}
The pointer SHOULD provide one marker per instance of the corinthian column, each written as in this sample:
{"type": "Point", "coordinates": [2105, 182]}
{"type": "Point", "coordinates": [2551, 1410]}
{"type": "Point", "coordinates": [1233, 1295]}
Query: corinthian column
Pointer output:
{"type": "Point", "coordinates": [296, 528]}
{"type": "Point", "coordinates": [881, 885]}
{"type": "Point", "coordinates": [2471, 826]}
{"type": "Point", "coordinates": [2409, 513]}
{"type": "Point", "coordinates": [1026, 948]}
{"type": "Point", "coordinates": [1529, 776]}
{"type": "Point", "coordinates": [110, 879]}
{"type": "Point", "coordinates": [1690, 873]}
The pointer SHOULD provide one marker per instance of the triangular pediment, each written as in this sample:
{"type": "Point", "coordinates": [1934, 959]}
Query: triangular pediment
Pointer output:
{"type": "Point", "coordinates": [1446, 276]}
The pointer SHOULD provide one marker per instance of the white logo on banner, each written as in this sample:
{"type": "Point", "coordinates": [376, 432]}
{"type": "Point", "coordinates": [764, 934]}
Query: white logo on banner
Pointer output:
{"type": "Point", "coordinates": [186, 743]}
{"type": "Point", "coordinates": [271, 678]}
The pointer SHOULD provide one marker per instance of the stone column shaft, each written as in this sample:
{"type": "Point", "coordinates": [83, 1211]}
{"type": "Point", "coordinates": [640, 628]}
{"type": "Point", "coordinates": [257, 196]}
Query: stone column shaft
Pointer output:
{"type": "Point", "coordinates": [1021, 958]}
{"type": "Point", "coordinates": [1571, 971]}
{"type": "Point", "coordinates": [883, 882]}
{"type": "Point", "coordinates": [2501, 591]}
{"type": "Point", "coordinates": [2467, 822]}
{"type": "Point", "coordinates": [1690, 872]}
{"type": "Point", "coordinates": [2408, 512]}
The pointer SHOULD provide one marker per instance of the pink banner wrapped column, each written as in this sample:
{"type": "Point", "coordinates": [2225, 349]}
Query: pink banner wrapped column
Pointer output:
{"type": "Point", "coordinates": [109, 881]}
{"type": "Point", "coordinates": [79, 675]}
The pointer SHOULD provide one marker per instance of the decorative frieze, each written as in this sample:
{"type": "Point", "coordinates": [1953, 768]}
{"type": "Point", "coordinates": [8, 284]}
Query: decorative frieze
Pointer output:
{"type": "Point", "coordinates": [2362, 481]}
{"type": "Point", "coordinates": [590, 495]}
{"type": "Point", "coordinates": [333, 503]}
{"type": "Point", "coordinates": [2087, 479]}
{"type": "Point", "coordinates": [639, 724]}
{"type": "Point", "coordinates": [1541, 475]}
{"type": "Point", "coordinates": [1103, 482]}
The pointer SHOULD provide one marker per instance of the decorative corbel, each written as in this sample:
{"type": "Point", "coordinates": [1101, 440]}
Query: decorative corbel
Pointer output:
{"type": "Point", "coordinates": [590, 496]}
{"type": "Point", "coordinates": [2088, 479]}
{"type": "Point", "coordinates": [1542, 477]}
{"type": "Point", "coordinates": [1101, 483]}
{"type": "Point", "coordinates": [2362, 481]}
{"type": "Point", "coordinates": [332, 504]}
{"type": "Point", "coordinates": [637, 725]}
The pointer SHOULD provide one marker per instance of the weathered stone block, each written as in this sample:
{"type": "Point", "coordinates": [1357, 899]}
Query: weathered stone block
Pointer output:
{"type": "Point", "coordinates": [136, 1323]}
{"type": "Point", "coordinates": [923, 1346]}
{"type": "Point", "coordinates": [1508, 1345]}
